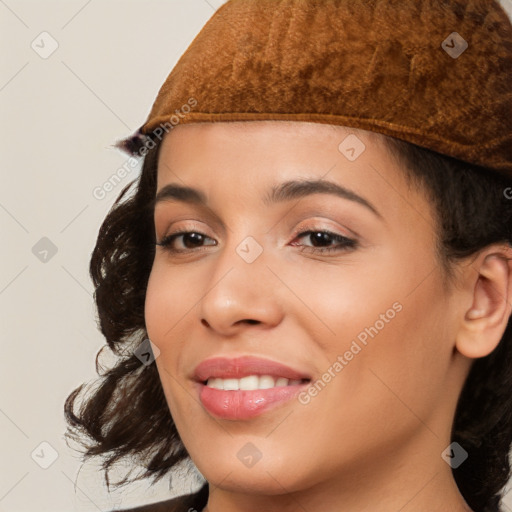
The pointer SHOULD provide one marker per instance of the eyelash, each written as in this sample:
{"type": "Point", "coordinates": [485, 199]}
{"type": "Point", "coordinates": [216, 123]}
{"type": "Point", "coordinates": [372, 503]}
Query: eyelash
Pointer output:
{"type": "Point", "coordinates": [344, 243]}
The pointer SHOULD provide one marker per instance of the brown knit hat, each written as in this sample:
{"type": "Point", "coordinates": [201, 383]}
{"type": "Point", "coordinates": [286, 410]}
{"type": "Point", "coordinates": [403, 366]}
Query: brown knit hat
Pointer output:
{"type": "Point", "coordinates": [437, 73]}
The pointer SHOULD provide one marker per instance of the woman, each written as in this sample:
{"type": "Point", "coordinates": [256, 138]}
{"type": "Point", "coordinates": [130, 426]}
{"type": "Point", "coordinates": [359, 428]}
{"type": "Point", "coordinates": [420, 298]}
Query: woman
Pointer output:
{"type": "Point", "coordinates": [319, 248]}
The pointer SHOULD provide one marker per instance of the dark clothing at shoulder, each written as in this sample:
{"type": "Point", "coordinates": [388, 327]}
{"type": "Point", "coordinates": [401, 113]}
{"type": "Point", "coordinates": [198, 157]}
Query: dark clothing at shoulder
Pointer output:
{"type": "Point", "coordinates": [188, 503]}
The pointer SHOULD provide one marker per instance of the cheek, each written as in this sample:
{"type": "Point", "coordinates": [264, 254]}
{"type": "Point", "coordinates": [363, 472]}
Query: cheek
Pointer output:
{"type": "Point", "coordinates": [164, 307]}
{"type": "Point", "coordinates": [157, 296]}
{"type": "Point", "coordinates": [160, 312]}
{"type": "Point", "coordinates": [389, 384]}
{"type": "Point", "coordinates": [384, 331]}
{"type": "Point", "coordinates": [169, 297]}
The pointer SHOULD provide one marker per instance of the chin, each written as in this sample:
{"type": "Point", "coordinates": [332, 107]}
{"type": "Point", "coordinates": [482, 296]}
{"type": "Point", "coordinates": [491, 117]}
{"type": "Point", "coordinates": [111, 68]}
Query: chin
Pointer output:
{"type": "Point", "coordinates": [261, 480]}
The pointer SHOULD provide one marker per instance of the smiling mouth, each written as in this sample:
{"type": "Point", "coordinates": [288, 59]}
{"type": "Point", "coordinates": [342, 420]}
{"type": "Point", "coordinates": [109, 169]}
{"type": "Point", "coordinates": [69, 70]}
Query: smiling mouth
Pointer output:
{"type": "Point", "coordinates": [252, 383]}
{"type": "Point", "coordinates": [244, 387]}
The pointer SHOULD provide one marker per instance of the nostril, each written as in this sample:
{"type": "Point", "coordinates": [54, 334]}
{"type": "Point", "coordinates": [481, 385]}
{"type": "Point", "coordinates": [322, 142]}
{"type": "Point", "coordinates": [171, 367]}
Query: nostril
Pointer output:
{"type": "Point", "coordinates": [249, 321]}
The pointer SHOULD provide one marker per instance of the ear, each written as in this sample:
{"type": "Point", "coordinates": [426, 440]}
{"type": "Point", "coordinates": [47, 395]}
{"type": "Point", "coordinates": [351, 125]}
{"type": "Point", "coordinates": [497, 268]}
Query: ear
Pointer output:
{"type": "Point", "coordinates": [488, 282]}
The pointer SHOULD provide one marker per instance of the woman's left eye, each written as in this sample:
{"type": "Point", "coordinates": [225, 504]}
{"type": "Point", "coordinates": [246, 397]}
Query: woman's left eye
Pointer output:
{"type": "Point", "coordinates": [322, 241]}
{"type": "Point", "coordinates": [326, 239]}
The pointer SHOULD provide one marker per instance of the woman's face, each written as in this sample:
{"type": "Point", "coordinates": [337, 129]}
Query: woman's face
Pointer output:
{"type": "Point", "coordinates": [308, 259]}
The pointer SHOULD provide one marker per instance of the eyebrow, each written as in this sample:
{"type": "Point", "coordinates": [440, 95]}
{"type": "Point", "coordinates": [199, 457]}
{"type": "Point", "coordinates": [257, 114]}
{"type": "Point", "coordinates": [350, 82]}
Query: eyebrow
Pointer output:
{"type": "Point", "coordinates": [285, 191]}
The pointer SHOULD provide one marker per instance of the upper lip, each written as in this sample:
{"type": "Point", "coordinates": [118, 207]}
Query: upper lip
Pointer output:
{"type": "Point", "coordinates": [239, 367]}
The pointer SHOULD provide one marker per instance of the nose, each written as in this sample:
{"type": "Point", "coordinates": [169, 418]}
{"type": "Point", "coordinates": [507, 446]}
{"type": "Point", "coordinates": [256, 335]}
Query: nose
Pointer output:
{"type": "Point", "coordinates": [239, 295]}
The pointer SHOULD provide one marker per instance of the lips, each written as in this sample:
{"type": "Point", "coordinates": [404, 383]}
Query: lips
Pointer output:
{"type": "Point", "coordinates": [239, 367]}
{"type": "Point", "coordinates": [240, 404]}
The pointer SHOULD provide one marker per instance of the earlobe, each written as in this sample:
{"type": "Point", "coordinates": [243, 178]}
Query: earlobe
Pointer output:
{"type": "Point", "coordinates": [489, 279]}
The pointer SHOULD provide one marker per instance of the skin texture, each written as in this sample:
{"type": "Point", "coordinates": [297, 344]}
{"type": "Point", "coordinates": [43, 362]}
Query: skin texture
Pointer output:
{"type": "Point", "coordinates": [372, 438]}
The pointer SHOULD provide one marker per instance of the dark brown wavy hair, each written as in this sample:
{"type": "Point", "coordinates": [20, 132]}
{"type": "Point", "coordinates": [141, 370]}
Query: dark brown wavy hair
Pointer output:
{"type": "Point", "coordinates": [126, 414]}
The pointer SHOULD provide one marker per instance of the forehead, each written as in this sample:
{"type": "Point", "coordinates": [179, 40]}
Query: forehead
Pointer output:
{"type": "Point", "coordinates": [254, 153]}
{"type": "Point", "coordinates": [248, 128]}
{"type": "Point", "coordinates": [311, 145]}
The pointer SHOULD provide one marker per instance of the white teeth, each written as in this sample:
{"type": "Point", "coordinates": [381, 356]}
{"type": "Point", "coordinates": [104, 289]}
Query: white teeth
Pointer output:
{"type": "Point", "coordinates": [231, 384]}
{"type": "Point", "coordinates": [266, 382]}
{"type": "Point", "coordinates": [216, 383]}
{"type": "Point", "coordinates": [250, 383]}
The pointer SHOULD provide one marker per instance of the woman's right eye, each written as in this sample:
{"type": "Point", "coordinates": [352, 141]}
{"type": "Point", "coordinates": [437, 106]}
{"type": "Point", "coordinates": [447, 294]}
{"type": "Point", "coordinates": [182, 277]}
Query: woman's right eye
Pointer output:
{"type": "Point", "coordinates": [188, 240]}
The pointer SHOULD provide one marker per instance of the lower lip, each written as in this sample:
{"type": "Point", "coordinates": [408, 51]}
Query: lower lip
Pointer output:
{"type": "Point", "coordinates": [242, 405]}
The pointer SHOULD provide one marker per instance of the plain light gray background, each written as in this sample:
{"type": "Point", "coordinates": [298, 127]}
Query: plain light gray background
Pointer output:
{"type": "Point", "coordinates": [60, 114]}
